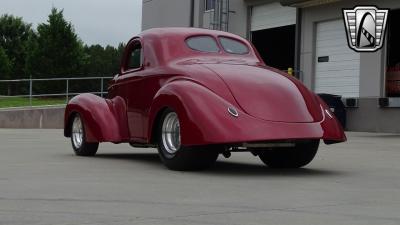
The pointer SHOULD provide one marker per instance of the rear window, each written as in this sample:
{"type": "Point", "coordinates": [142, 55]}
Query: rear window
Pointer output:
{"type": "Point", "coordinates": [233, 46]}
{"type": "Point", "coordinates": [203, 44]}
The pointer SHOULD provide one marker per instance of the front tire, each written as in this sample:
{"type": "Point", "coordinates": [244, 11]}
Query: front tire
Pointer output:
{"type": "Point", "coordinates": [78, 138]}
{"type": "Point", "coordinates": [293, 157]}
{"type": "Point", "coordinates": [173, 154]}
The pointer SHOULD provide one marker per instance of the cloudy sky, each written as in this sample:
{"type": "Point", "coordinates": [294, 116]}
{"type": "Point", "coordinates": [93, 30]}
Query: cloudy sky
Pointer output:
{"type": "Point", "coordinates": [95, 21]}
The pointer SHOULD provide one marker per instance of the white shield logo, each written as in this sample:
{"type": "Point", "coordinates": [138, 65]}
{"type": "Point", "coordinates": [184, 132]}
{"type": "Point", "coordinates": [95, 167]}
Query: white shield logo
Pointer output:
{"type": "Point", "coordinates": [365, 26]}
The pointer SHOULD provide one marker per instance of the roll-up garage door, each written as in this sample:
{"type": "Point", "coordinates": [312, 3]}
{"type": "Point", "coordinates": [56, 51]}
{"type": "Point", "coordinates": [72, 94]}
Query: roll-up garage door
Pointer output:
{"type": "Point", "coordinates": [272, 15]}
{"type": "Point", "coordinates": [337, 67]}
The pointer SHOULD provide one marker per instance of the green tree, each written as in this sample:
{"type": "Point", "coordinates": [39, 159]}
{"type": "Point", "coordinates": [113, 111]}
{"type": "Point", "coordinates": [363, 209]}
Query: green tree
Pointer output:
{"type": "Point", "coordinates": [95, 63]}
{"type": "Point", "coordinates": [14, 36]}
{"type": "Point", "coordinates": [5, 65]}
{"type": "Point", "coordinates": [113, 60]}
{"type": "Point", "coordinates": [30, 66]}
{"type": "Point", "coordinates": [121, 49]}
{"type": "Point", "coordinates": [59, 51]}
{"type": "Point", "coordinates": [100, 61]}
{"type": "Point", "coordinates": [53, 51]}
{"type": "Point", "coordinates": [5, 69]}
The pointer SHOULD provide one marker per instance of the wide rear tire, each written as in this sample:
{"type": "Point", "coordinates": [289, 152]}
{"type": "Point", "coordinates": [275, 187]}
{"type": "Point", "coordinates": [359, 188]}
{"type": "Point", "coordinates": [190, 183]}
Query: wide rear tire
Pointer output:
{"type": "Point", "coordinates": [178, 157]}
{"type": "Point", "coordinates": [292, 157]}
{"type": "Point", "coordinates": [78, 138]}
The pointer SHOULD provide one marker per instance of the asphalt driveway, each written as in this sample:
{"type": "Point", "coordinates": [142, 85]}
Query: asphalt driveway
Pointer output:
{"type": "Point", "coordinates": [42, 182]}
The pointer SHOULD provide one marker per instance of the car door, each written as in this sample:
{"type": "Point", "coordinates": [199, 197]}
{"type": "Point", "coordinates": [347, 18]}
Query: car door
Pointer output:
{"type": "Point", "coordinates": [129, 86]}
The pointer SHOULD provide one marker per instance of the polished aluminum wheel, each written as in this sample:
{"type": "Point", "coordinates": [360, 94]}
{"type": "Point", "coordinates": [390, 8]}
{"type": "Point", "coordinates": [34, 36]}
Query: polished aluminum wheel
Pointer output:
{"type": "Point", "coordinates": [77, 132]}
{"type": "Point", "coordinates": [171, 136]}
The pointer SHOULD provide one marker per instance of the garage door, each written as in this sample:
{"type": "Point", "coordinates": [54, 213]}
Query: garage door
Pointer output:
{"type": "Point", "coordinates": [272, 15]}
{"type": "Point", "coordinates": [337, 66]}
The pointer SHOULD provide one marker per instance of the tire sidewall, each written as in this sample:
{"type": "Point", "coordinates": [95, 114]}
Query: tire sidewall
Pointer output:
{"type": "Point", "coordinates": [86, 149]}
{"type": "Point", "coordinates": [295, 157]}
{"type": "Point", "coordinates": [76, 149]}
{"type": "Point", "coordinates": [164, 154]}
{"type": "Point", "coordinates": [186, 158]}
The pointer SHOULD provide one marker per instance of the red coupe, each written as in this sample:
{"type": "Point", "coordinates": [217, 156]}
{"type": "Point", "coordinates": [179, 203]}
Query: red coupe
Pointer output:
{"type": "Point", "coordinates": [197, 93]}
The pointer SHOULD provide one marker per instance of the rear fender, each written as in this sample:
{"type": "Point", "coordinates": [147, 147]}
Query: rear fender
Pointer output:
{"type": "Point", "coordinates": [105, 120]}
{"type": "Point", "coordinates": [333, 130]}
{"type": "Point", "coordinates": [203, 115]}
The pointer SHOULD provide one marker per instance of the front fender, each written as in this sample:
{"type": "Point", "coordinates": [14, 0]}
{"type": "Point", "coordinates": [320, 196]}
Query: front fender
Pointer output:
{"type": "Point", "coordinates": [105, 120]}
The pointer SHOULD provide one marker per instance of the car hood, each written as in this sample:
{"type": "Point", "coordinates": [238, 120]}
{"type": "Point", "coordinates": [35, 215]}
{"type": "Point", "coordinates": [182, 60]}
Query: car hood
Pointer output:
{"type": "Point", "coordinates": [268, 95]}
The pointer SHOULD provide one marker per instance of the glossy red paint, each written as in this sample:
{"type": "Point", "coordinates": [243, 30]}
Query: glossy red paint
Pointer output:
{"type": "Point", "coordinates": [200, 87]}
{"type": "Point", "coordinates": [104, 119]}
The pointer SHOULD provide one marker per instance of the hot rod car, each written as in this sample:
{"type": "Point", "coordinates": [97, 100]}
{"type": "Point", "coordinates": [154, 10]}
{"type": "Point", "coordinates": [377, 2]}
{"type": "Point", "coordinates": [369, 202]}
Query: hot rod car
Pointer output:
{"type": "Point", "coordinates": [197, 93]}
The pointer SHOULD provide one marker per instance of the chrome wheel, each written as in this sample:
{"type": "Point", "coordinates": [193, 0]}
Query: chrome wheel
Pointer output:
{"type": "Point", "coordinates": [77, 132]}
{"type": "Point", "coordinates": [176, 156]}
{"type": "Point", "coordinates": [171, 136]}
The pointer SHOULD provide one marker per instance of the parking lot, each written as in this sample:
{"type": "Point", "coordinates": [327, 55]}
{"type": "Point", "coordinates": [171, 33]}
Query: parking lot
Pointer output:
{"type": "Point", "coordinates": [42, 182]}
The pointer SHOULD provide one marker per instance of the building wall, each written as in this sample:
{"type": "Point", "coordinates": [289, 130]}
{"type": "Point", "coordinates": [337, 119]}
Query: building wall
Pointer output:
{"type": "Point", "coordinates": [368, 116]}
{"type": "Point", "coordinates": [162, 13]}
{"type": "Point", "coordinates": [198, 14]}
{"type": "Point", "coordinates": [238, 17]}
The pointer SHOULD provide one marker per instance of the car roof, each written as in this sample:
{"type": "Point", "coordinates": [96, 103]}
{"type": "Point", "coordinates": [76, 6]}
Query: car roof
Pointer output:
{"type": "Point", "coordinates": [165, 44]}
{"type": "Point", "coordinates": [185, 32]}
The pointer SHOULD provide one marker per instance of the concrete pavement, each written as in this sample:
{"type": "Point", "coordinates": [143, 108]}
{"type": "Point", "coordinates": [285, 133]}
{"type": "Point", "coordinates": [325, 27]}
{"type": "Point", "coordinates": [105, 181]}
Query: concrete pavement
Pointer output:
{"type": "Point", "coordinates": [42, 182]}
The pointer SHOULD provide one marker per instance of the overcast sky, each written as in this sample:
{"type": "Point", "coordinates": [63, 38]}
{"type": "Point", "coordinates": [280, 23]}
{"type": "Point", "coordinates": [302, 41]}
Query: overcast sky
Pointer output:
{"type": "Point", "coordinates": [95, 21]}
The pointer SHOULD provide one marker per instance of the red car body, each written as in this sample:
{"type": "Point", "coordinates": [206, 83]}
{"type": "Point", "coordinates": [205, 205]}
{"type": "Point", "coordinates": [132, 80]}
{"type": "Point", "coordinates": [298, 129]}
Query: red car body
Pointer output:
{"type": "Point", "coordinates": [200, 87]}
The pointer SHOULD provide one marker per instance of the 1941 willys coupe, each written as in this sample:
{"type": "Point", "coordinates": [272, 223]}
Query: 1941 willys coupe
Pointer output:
{"type": "Point", "coordinates": [197, 93]}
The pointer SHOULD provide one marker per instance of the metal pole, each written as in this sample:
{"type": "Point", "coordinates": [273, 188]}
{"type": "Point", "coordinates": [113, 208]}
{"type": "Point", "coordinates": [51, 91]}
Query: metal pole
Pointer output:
{"type": "Point", "coordinates": [101, 89]}
{"type": "Point", "coordinates": [30, 91]}
{"type": "Point", "coordinates": [66, 93]}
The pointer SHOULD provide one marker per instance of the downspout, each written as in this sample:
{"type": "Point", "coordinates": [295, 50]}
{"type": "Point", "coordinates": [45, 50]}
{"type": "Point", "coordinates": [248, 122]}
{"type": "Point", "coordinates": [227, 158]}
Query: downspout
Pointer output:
{"type": "Point", "coordinates": [191, 22]}
{"type": "Point", "coordinates": [248, 23]}
{"type": "Point", "coordinates": [297, 51]}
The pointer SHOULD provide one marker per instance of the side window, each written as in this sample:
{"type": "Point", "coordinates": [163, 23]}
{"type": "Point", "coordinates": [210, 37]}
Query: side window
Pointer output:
{"type": "Point", "coordinates": [135, 57]}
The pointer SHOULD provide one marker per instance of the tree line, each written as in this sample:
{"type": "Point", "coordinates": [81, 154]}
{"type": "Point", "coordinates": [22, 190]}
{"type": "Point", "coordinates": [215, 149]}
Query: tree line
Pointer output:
{"type": "Point", "coordinates": [53, 50]}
